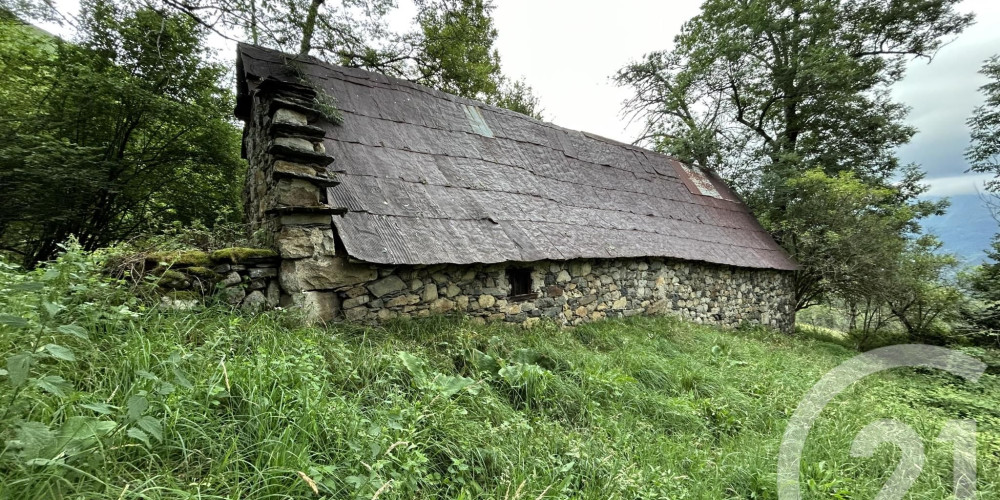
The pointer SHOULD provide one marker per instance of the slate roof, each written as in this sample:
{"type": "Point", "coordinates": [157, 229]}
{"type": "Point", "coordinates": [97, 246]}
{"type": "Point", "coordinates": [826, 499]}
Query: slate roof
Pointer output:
{"type": "Point", "coordinates": [431, 178]}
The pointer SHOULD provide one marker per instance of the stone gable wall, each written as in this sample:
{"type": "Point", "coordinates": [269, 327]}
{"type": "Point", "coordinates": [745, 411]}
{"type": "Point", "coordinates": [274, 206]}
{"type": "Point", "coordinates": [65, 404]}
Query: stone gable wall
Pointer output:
{"type": "Point", "coordinates": [286, 199]}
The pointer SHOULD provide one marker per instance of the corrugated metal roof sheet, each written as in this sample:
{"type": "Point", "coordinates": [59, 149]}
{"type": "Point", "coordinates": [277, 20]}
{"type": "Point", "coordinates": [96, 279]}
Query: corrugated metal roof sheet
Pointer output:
{"type": "Point", "coordinates": [424, 183]}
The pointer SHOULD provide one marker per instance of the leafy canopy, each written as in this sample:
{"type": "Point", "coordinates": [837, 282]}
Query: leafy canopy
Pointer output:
{"type": "Point", "coordinates": [125, 132]}
{"type": "Point", "coordinates": [984, 157]}
{"type": "Point", "coordinates": [845, 231]}
{"type": "Point", "coordinates": [984, 153]}
{"type": "Point", "coordinates": [774, 93]}
{"type": "Point", "coordinates": [920, 296]}
{"type": "Point", "coordinates": [449, 46]}
{"type": "Point", "coordinates": [753, 87]}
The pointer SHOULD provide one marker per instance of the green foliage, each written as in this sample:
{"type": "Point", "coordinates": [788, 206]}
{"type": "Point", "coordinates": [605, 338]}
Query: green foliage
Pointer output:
{"type": "Point", "coordinates": [184, 295]}
{"type": "Point", "coordinates": [123, 133]}
{"type": "Point", "coordinates": [804, 82]}
{"type": "Point", "coordinates": [908, 293]}
{"type": "Point", "coordinates": [221, 405]}
{"type": "Point", "coordinates": [984, 153]}
{"type": "Point", "coordinates": [841, 231]}
{"type": "Point", "coordinates": [982, 310]}
{"type": "Point", "coordinates": [920, 296]}
{"type": "Point", "coordinates": [202, 273]}
{"type": "Point", "coordinates": [851, 239]}
{"type": "Point", "coordinates": [457, 54]}
{"type": "Point", "coordinates": [517, 96]}
{"type": "Point", "coordinates": [179, 237]}
{"type": "Point", "coordinates": [449, 46]}
{"type": "Point", "coordinates": [184, 258]}
{"type": "Point", "coordinates": [326, 104]}
{"type": "Point", "coordinates": [454, 52]}
{"type": "Point", "coordinates": [766, 91]}
{"type": "Point", "coordinates": [438, 384]}
{"type": "Point", "coordinates": [47, 335]}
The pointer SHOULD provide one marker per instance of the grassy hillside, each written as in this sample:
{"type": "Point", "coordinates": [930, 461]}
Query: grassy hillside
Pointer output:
{"type": "Point", "coordinates": [104, 399]}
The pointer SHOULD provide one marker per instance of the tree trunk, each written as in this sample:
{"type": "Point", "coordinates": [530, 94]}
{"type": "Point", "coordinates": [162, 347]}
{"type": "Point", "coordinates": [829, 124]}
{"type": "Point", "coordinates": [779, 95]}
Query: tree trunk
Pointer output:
{"type": "Point", "coordinates": [852, 309]}
{"type": "Point", "coordinates": [309, 27]}
{"type": "Point", "coordinates": [253, 21]}
{"type": "Point", "coordinates": [900, 314]}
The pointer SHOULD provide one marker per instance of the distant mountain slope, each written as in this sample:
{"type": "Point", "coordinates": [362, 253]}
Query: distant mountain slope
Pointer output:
{"type": "Point", "coordinates": [967, 229]}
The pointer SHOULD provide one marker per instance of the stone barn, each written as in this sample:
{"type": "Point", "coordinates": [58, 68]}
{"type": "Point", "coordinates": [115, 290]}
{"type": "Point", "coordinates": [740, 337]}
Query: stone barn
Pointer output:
{"type": "Point", "coordinates": [387, 199]}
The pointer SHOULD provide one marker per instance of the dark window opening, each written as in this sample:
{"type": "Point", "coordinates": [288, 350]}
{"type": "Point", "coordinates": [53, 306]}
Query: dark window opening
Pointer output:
{"type": "Point", "coordinates": [520, 284]}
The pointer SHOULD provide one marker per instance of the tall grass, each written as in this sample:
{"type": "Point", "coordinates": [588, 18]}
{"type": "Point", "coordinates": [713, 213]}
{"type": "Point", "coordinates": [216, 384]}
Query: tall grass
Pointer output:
{"type": "Point", "coordinates": [214, 404]}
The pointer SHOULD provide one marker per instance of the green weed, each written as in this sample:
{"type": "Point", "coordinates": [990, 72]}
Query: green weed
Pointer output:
{"type": "Point", "coordinates": [104, 398]}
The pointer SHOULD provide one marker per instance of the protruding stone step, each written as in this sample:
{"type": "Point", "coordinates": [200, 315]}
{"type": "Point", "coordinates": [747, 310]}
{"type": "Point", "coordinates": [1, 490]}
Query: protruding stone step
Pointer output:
{"type": "Point", "coordinates": [297, 155]}
{"type": "Point", "coordinates": [290, 129]}
{"type": "Point", "coordinates": [301, 106]}
{"type": "Point", "coordinates": [317, 210]}
{"type": "Point", "coordinates": [319, 181]}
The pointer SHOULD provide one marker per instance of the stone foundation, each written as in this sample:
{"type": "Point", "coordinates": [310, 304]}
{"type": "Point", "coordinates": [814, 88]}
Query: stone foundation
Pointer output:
{"type": "Point", "coordinates": [574, 292]}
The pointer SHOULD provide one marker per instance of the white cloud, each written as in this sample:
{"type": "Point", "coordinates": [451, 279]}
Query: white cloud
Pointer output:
{"type": "Point", "coordinates": [957, 185]}
{"type": "Point", "coordinates": [568, 49]}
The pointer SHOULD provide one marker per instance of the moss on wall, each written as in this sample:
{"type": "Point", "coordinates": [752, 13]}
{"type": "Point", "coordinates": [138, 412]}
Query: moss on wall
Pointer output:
{"type": "Point", "coordinates": [203, 273]}
{"type": "Point", "coordinates": [241, 255]}
{"type": "Point", "coordinates": [183, 276]}
{"type": "Point", "coordinates": [180, 258]}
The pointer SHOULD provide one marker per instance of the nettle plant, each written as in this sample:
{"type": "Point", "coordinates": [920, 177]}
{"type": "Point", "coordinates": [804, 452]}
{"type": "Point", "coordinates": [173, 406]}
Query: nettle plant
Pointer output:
{"type": "Point", "coordinates": [47, 317]}
{"type": "Point", "coordinates": [524, 375]}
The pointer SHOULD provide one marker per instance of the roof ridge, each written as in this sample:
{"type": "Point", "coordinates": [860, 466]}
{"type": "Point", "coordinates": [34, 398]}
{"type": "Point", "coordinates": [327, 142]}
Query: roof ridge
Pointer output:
{"type": "Point", "coordinates": [347, 71]}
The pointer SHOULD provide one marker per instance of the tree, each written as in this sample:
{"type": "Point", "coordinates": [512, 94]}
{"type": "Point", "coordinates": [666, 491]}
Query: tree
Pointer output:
{"type": "Point", "coordinates": [984, 153]}
{"type": "Point", "coordinates": [844, 233]}
{"type": "Point", "coordinates": [803, 82]}
{"type": "Point", "coordinates": [517, 95]}
{"type": "Point", "coordinates": [984, 157]}
{"type": "Point", "coordinates": [451, 47]}
{"type": "Point", "coordinates": [333, 29]}
{"type": "Point", "coordinates": [921, 297]}
{"type": "Point", "coordinates": [123, 133]}
{"type": "Point", "coordinates": [456, 53]}
{"type": "Point", "coordinates": [764, 91]}
{"type": "Point", "coordinates": [983, 285]}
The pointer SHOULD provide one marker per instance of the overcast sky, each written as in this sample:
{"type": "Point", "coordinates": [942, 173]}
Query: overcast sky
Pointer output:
{"type": "Point", "coordinates": [568, 49]}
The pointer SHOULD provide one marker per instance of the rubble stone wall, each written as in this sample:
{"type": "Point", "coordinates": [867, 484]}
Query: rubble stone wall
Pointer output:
{"type": "Point", "coordinates": [285, 197]}
{"type": "Point", "coordinates": [575, 292]}
{"type": "Point", "coordinates": [244, 277]}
